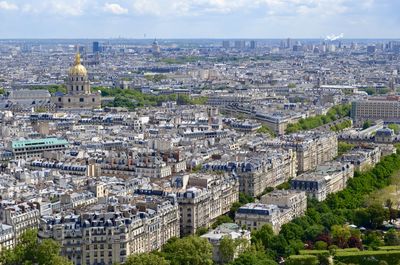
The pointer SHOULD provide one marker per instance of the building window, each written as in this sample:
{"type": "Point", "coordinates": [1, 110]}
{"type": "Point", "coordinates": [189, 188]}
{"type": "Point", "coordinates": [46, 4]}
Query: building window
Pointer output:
{"type": "Point", "coordinates": [81, 100]}
{"type": "Point", "coordinates": [59, 99]}
{"type": "Point", "coordinates": [77, 88]}
{"type": "Point", "coordinates": [69, 100]}
{"type": "Point", "coordinates": [93, 100]}
{"type": "Point", "coordinates": [82, 88]}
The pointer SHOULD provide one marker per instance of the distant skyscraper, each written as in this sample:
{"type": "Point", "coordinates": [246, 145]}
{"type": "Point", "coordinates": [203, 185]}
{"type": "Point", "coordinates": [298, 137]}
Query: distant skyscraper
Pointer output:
{"type": "Point", "coordinates": [240, 44]}
{"type": "Point", "coordinates": [288, 43]}
{"type": "Point", "coordinates": [96, 47]}
{"type": "Point", "coordinates": [371, 49]}
{"type": "Point", "coordinates": [81, 49]}
{"type": "Point", "coordinates": [226, 44]}
{"type": "Point", "coordinates": [253, 44]}
{"type": "Point", "coordinates": [155, 48]}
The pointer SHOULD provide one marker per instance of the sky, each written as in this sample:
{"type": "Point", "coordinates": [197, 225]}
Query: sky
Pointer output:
{"type": "Point", "coordinates": [261, 19]}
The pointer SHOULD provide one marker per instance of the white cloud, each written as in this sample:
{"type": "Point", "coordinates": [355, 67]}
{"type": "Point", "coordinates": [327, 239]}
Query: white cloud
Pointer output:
{"type": "Point", "coordinates": [58, 7]}
{"type": "Point", "coordinates": [276, 7]}
{"type": "Point", "coordinates": [115, 9]}
{"type": "Point", "coordinates": [8, 6]}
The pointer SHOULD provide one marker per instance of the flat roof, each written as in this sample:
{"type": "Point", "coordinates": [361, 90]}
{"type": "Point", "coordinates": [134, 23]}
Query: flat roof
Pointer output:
{"type": "Point", "coordinates": [38, 142]}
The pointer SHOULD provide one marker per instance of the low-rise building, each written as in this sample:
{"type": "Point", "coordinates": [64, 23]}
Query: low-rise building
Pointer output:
{"type": "Point", "coordinates": [255, 215]}
{"type": "Point", "coordinates": [231, 231]}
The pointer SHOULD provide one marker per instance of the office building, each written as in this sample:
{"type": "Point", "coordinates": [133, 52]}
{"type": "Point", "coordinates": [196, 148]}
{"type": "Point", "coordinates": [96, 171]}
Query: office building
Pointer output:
{"type": "Point", "coordinates": [240, 44]}
{"type": "Point", "coordinates": [376, 108]}
{"type": "Point", "coordinates": [226, 44]}
{"type": "Point", "coordinates": [96, 47]}
{"type": "Point", "coordinates": [36, 147]}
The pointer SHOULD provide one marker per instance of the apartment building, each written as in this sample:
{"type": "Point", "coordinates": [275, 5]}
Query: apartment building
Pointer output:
{"type": "Point", "coordinates": [7, 239]}
{"type": "Point", "coordinates": [21, 217]}
{"type": "Point", "coordinates": [203, 198]}
{"type": "Point", "coordinates": [110, 235]}
{"type": "Point", "coordinates": [312, 148]}
{"type": "Point", "coordinates": [255, 215]}
{"type": "Point", "coordinates": [363, 158]}
{"type": "Point", "coordinates": [258, 170]}
{"type": "Point", "coordinates": [327, 178]}
{"type": "Point", "coordinates": [296, 201]}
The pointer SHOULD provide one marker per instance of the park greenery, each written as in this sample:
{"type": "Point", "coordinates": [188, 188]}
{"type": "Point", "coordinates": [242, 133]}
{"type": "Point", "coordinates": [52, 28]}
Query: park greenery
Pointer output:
{"type": "Point", "coordinates": [367, 124]}
{"type": "Point", "coordinates": [324, 229]}
{"type": "Point", "coordinates": [131, 99]}
{"type": "Point", "coordinates": [333, 114]}
{"type": "Point", "coordinates": [341, 125]}
{"type": "Point", "coordinates": [266, 130]}
{"type": "Point", "coordinates": [376, 91]}
{"type": "Point", "coordinates": [344, 147]}
{"type": "Point", "coordinates": [181, 60]}
{"type": "Point", "coordinates": [394, 127]}
{"type": "Point", "coordinates": [156, 78]}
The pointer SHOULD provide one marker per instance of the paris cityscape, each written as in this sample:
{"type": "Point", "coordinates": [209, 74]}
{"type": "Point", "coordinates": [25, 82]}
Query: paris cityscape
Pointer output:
{"type": "Point", "coordinates": [199, 132]}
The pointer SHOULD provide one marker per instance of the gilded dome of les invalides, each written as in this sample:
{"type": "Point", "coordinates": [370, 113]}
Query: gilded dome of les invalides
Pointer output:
{"type": "Point", "coordinates": [78, 68]}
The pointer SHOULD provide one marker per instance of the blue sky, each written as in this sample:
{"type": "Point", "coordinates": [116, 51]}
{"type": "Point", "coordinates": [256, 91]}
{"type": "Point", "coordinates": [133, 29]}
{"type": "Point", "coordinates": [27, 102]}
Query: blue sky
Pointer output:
{"type": "Point", "coordinates": [199, 18]}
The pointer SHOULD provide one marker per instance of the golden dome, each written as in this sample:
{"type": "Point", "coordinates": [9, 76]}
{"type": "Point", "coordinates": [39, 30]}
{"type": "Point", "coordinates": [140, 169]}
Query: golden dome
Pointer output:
{"type": "Point", "coordinates": [78, 68]}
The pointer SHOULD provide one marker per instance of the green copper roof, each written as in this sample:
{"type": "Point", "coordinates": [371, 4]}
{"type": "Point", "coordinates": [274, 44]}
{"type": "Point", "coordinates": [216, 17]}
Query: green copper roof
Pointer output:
{"type": "Point", "coordinates": [38, 142]}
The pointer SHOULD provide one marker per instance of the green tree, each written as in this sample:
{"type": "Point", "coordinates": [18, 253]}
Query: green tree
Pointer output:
{"type": "Point", "coordinates": [373, 240]}
{"type": "Point", "coordinates": [391, 238]}
{"type": "Point", "coordinates": [340, 235]}
{"type": "Point", "coordinates": [201, 231]}
{"type": "Point", "coordinates": [377, 215]}
{"type": "Point", "coordinates": [146, 259]}
{"type": "Point", "coordinates": [266, 130]}
{"type": "Point", "coordinates": [394, 127]}
{"type": "Point", "coordinates": [253, 257]}
{"type": "Point", "coordinates": [221, 220]}
{"type": "Point", "coordinates": [188, 250]}
{"type": "Point", "coordinates": [31, 251]}
{"type": "Point", "coordinates": [366, 125]}
{"type": "Point", "coordinates": [292, 231]}
{"type": "Point", "coordinates": [320, 245]}
{"type": "Point", "coordinates": [264, 235]}
{"type": "Point", "coordinates": [344, 147]}
{"type": "Point", "coordinates": [227, 248]}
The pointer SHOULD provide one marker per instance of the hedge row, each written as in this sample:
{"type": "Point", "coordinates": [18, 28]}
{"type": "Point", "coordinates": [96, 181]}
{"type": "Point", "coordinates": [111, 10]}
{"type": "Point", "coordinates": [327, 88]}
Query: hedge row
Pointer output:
{"type": "Point", "coordinates": [302, 260]}
{"type": "Point", "coordinates": [369, 257]}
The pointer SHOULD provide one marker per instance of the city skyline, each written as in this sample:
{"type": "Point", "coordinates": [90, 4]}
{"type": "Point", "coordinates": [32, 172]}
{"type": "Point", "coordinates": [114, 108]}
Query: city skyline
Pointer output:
{"type": "Point", "coordinates": [198, 19]}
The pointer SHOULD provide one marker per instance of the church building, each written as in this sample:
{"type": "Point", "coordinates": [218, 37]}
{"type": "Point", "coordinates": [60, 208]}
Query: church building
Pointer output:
{"type": "Point", "coordinates": [79, 95]}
